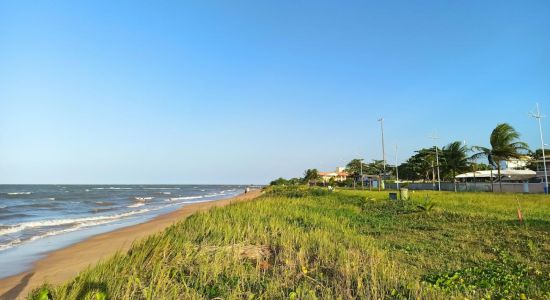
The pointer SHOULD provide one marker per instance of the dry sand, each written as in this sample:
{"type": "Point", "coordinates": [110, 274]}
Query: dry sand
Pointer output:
{"type": "Point", "coordinates": [64, 264]}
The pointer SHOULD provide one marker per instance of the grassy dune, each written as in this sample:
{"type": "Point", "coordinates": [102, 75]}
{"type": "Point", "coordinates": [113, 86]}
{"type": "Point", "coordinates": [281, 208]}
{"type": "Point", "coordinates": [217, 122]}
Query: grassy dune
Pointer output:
{"type": "Point", "coordinates": [312, 244]}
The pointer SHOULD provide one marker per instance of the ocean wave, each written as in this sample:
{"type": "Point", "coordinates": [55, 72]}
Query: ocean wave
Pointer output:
{"type": "Point", "coordinates": [102, 203]}
{"type": "Point", "coordinates": [185, 198]}
{"type": "Point", "coordinates": [166, 193]}
{"type": "Point", "coordinates": [58, 222]}
{"type": "Point", "coordinates": [19, 193]}
{"type": "Point", "coordinates": [162, 188]}
{"type": "Point", "coordinates": [211, 195]}
{"type": "Point", "coordinates": [101, 210]}
{"type": "Point", "coordinates": [112, 188]}
{"type": "Point", "coordinates": [13, 216]}
{"type": "Point", "coordinates": [18, 241]}
{"type": "Point", "coordinates": [52, 198]}
{"type": "Point", "coordinates": [37, 205]}
{"type": "Point", "coordinates": [136, 204]}
{"type": "Point", "coordinates": [142, 198]}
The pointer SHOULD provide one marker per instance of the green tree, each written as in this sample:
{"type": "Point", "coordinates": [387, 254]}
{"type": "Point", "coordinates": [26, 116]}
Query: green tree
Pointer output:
{"type": "Point", "coordinates": [537, 156]}
{"type": "Point", "coordinates": [311, 175]}
{"type": "Point", "coordinates": [354, 168]}
{"type": "Point", "coordinates": [455, 159]}
{"type": "Point", "coordinates": [279, 181]}
{"type": "Point", "coordinates": [505, 145]}
{"type": "Point", "coordinates": [419, 166]}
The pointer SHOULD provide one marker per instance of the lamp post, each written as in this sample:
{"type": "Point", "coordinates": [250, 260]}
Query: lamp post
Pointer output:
{"type": "Point", "coordinates": [538, 116]}
{"type": "Point", "coordinates": [435, 137]}
{"type": "Point", "coordinates": [396, 170]}
{"type": "Point", "coordinates": [381, 120]}
{"type": "Point", "coordinates": [361, 173]}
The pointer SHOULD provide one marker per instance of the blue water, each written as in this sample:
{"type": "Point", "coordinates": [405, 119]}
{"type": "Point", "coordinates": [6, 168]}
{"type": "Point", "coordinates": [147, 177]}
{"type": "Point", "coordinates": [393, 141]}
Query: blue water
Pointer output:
{"type": "Point", "coordinates": [36, 219]}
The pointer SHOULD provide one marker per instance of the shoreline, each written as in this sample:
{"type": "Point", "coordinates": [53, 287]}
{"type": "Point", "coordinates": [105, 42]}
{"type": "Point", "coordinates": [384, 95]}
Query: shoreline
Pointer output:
{"type": "Point", "coordinates": [65, 263]}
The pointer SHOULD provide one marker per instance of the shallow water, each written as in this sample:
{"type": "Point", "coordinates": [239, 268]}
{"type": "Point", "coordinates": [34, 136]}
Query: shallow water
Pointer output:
{"type": "Point", "coordinates": [35, 219]}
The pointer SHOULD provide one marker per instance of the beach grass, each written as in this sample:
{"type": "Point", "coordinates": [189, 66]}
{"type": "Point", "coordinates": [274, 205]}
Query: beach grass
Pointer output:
{"type": "Point", "coordinates": [309, 243]}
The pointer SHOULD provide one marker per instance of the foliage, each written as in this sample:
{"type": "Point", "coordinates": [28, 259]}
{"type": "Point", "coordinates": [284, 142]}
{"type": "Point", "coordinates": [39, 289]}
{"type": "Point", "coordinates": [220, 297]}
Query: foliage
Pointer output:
{"type": "Point", "coordinates": [454, 159]}
{"type": "Point", "coordinates": [504, 146]}
{"type": "Point", "coordinates": [311, 175]}
{"type": "Point", "coordinates": [306, 243]}
{"type": "Point", "coordinates": [499, 278]}
{"type": "Point", "coordinates": [282, 181]}
{"type": "Point", "coordinates": [419, 166]}
{"type": "Point", "coordinates": [537, 155]}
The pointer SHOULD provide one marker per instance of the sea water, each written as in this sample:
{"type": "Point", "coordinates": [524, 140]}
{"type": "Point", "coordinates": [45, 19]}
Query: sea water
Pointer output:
{"type": "Point", "coordinates": [36, 219]}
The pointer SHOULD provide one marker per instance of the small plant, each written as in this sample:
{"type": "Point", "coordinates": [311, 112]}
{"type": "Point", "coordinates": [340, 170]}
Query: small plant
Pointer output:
{"type": "Point", "coordinates": [427, 205]}
{"type": "Point", "coordinates": [501, 278]}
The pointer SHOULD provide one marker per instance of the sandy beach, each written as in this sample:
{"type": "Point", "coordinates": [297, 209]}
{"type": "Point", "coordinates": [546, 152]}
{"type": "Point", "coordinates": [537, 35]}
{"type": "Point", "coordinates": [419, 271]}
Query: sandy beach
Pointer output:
{"type": "Point", "coordinates": [63, 264]}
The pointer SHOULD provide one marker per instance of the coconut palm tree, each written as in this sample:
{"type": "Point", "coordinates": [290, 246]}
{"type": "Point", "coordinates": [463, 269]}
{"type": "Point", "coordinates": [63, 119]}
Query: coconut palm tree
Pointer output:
{"type": "Point", "coordinates": [505, 145]}
{"type": "Point", "coordinates": [455, 158]}
{"type": "Point", "coordinates": [311, 175]}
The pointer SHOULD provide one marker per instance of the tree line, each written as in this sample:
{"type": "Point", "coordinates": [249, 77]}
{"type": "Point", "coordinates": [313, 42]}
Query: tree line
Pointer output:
{"type": "Point", "coordinates": [454, 158]}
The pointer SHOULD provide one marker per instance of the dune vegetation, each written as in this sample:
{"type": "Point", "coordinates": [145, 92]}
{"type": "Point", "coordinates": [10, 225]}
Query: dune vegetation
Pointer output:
{"type": "Point", "coordinates": [309, 243]}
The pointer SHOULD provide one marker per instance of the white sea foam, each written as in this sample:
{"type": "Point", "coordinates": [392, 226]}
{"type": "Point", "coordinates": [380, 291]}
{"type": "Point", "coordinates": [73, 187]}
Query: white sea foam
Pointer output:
{"type": "Point", "coordinates": [18, 242]}
{"type": "Point", "coordinates": [20, 193]}
{"type": "Point", "coordinates": [166, 193]}
{"type": "Point", "coordinates": [143, 198]}
{"type": "Point", "coordinates": [86, 221]}
{"type": "Point", "coordinates": [211, 195]}
{"type": "Point", "coordinates": [112, 188]}
{"type": "Point", "coordinates": [136, 205]}
{"type": "Point", "coordinates": [185, 198]}
{"type": "Point", "coordinates": [51, 198]}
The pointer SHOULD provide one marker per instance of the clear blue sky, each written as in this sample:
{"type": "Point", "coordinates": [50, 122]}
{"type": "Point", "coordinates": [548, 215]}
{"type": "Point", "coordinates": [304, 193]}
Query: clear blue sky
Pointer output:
{"type": "Point", "coordinates": [243, 92]}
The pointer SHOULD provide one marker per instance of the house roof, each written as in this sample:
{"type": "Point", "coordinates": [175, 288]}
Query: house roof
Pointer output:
{"type": "Point", "coordinates": [506, 174]}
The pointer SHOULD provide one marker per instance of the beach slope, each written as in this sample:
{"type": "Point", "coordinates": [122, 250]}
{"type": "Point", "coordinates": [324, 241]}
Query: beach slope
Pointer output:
{"type": "Point", "coordinates": [65, 263]}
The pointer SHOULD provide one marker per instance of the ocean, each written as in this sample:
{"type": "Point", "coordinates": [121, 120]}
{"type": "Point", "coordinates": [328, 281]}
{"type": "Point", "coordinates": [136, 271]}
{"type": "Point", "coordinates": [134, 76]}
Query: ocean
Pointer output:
{"type": "Point", "coordinates": [36, 219]}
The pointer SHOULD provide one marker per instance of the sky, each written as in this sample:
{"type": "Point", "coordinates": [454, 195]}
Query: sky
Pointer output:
{"type": "Point", "coordinates": [247, 91]}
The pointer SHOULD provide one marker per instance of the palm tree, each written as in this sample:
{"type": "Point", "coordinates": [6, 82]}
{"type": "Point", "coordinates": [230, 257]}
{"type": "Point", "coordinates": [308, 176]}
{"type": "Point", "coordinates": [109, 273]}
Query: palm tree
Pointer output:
{"type": "Point", "coordinates": [504, 146]}
{"type": "Point", "coordinates": [311, 175]}
{"type": "Point", "coordinates": [455, 158]}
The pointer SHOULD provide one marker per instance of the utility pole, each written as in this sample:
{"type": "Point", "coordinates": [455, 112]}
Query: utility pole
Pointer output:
{"type": "Point", "coordinates": [396, 170]}
{"type": "Point", "coordinates": [435, 137]}
{"type": "Point", "coordinates": [361, 168]}
{"type": "Point", "coordinates": [381, 120]}
{"type": "Point", "coordinates": [538, 116]}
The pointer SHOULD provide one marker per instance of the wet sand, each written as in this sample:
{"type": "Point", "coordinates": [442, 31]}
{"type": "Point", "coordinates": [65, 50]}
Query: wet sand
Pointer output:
{"type": "Point", "coordinates": [65, 263]}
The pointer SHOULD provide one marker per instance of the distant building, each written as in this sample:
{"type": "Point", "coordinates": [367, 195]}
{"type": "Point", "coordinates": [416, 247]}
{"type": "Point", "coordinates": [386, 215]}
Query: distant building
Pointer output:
{"type": "Point", "coordinates": [509, 175]}
{"type": "Point", "coordinates": [516, 163]}
{"type": "Point", "coordinates": [339, 175]}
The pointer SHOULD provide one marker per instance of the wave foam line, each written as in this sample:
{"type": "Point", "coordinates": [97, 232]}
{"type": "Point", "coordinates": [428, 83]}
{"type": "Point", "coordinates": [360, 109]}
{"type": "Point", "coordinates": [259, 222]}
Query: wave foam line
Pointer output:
{"type": "Point", "coordinates": [58, 222]}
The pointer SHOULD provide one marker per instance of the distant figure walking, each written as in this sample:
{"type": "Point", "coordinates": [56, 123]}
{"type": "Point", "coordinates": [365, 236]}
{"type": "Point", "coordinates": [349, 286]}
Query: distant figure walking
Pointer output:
{"type": "Point", "coordinates": [246, 190]}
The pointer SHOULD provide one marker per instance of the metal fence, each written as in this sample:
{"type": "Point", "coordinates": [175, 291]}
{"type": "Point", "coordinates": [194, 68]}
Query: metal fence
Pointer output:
{"type": "Point", "coordinates": [507, 187]}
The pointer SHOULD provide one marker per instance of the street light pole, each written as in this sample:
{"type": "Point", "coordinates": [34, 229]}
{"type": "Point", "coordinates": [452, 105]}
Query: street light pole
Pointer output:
{"type": "Point", "coordinates": [434, 137]}
{"type": "Point", "coordinates": [396, 170]}
{"type": "Point", "coordinates": [538, 117]}
{"type": "Point", "coordinates": [381, 120]}
{"type": "Point", "coordinates": [361, 168]}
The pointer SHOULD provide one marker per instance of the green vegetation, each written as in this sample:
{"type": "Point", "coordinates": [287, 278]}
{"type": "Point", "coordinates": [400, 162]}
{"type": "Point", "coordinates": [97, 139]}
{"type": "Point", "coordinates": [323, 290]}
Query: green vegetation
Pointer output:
{"type": "Point", "coordinates": [505, 145]}
{"type": "Point", "coordinates": [300, 243]}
